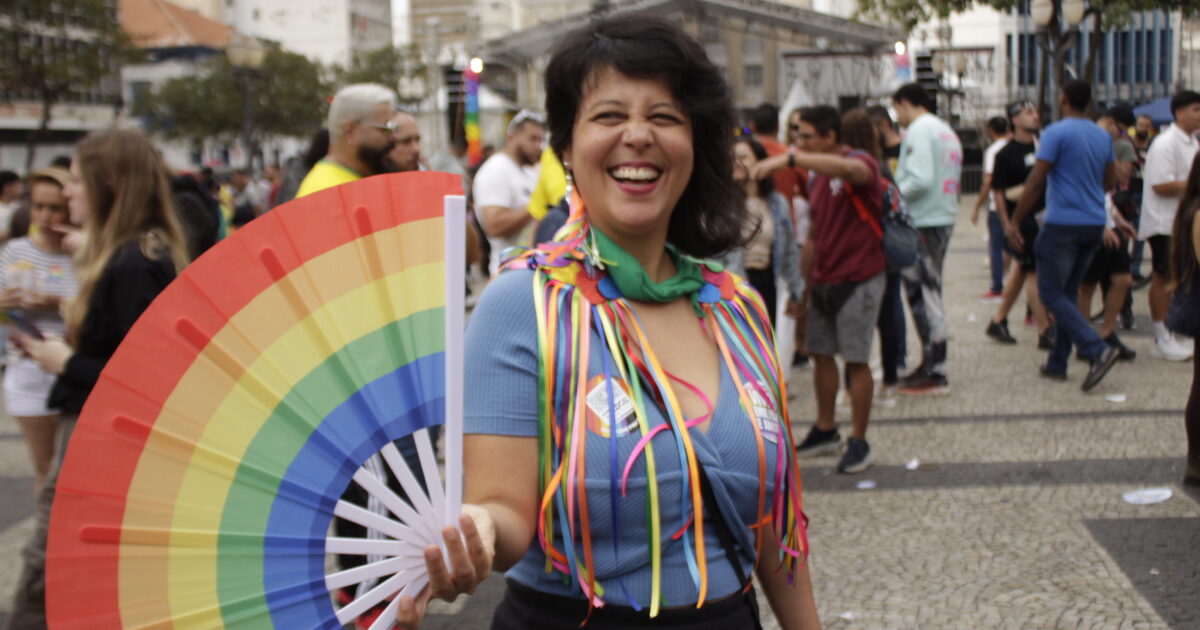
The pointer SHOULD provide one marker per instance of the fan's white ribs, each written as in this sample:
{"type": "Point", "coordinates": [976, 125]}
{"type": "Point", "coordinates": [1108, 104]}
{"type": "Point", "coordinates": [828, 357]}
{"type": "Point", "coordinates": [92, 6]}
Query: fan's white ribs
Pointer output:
{"type": "Point", "coordinates": [429, 467]}
{"type": "Point", "coordinates": [370, 571]}
{"type": "Point", "coordinates": [362, 604]}
{"type": "Point", "coordinates": [393, 502]}
{"type": "Point", "coordinates": [364, 517]}
{"type": "Point", "coordinates": [360, 547]}
{"type": "Point", "coordinates": [408, 481]}
{"type": "Point", "coordinates": [387, 619]}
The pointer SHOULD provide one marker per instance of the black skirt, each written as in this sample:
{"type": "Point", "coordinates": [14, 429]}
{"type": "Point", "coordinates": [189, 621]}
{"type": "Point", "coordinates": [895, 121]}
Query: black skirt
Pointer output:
{"type": "Point", "coordinates": [524, 608]}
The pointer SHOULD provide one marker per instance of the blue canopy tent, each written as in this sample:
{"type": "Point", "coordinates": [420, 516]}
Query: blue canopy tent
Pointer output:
{"type": "Point", "coordinates": [1159, 110]}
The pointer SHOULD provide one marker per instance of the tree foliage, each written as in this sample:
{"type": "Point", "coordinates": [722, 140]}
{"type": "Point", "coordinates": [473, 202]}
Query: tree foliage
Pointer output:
{"type": "Point", "coordinates": [55, 51]}
{"type": "Point", "coordinates": [386, 66]}
{"type": "Point", "coordinates": [288, 92]}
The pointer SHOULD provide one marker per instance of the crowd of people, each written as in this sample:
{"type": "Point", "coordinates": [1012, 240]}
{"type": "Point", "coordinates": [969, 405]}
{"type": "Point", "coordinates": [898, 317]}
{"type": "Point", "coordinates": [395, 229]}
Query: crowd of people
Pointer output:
{"type": "Point", "coordinates": [664, 218]}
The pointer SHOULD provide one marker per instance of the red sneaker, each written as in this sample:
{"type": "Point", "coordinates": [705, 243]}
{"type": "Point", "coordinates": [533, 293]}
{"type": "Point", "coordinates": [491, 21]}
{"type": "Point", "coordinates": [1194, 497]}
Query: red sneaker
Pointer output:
{"type": "Point", "coordinates": [991, 297]}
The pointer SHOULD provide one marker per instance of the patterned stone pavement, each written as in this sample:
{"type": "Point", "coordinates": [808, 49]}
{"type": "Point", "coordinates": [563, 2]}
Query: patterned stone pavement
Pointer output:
{"type": "Point", "coordinates": [1012, 518]}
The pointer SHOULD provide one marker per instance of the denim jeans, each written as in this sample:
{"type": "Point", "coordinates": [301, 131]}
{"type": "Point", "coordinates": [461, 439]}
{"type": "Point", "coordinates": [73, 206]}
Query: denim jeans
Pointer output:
{"type": "Point", "coordinates": [1063, 254]}
{"type": "Point", "coordinates": [996, 251]}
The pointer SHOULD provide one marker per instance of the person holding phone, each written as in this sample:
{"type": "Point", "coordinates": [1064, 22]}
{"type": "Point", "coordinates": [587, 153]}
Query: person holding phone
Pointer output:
{"type": "Point", "coordinates": [36, 277]}
{"type": "Point", "coordinates": [133, 246]}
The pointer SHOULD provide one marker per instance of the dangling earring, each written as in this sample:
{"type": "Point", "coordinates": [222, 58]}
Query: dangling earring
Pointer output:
{"type": "Point", "coordinates": [570, 181]}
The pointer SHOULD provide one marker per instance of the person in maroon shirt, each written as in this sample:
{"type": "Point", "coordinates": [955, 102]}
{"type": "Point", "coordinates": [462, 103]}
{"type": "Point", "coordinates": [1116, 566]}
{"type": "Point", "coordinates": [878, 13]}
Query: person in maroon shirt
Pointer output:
{"type": "Point", "coordinates": [843, 266]}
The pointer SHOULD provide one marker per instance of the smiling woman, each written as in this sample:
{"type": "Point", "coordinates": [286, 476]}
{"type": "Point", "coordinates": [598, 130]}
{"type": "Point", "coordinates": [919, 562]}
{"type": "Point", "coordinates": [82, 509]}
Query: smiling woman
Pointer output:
{"type": "Point", "coordinates": [629, 457]}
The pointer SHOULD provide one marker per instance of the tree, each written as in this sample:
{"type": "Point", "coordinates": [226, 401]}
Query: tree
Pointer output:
{"type": "Point", "coordinates": [53, 51]}
{"type": "Point", "coordinates": [386, 66]}
{"type": "Point", "coordinates": [289, 100]}
{"type": "Point", "coordinates": [1055, 40]}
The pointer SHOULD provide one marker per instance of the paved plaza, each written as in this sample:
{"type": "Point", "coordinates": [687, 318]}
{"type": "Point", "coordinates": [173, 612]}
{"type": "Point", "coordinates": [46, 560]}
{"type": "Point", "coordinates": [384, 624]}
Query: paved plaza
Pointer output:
{"type": "Point", "coordinates": [1000, 506]}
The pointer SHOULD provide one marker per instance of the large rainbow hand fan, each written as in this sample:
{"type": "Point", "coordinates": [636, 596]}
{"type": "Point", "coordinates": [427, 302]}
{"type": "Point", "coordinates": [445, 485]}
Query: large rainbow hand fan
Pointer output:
{"type": "Point", "coordinates": [208, 464]}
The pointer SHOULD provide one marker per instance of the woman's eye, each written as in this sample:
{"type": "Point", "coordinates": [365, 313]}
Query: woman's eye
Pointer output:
{"type": "Point", "coordinates": [608, 116]}
{"type": "Point", "coordinates": [667, 118]}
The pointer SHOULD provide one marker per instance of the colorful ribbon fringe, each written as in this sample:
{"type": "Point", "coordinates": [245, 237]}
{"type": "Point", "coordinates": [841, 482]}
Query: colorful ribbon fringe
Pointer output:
{"type": "Point", "coordinates": [575, 298]}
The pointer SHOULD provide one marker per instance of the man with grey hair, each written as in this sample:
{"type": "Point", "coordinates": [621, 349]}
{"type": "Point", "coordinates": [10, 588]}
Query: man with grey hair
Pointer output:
{"type": "Point", "coordinates": [361, 133]}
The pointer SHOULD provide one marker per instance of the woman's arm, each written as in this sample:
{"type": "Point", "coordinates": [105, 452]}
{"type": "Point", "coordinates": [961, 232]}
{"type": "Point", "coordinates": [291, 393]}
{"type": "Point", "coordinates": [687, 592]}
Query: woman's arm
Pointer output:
{"type": "Point", "coordinates": [501, 477]}
{"type": "Point", "coordinates": [793, 604]}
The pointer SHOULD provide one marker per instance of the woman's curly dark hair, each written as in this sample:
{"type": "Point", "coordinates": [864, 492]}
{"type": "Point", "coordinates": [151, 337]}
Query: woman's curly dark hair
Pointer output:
{"type": "Point", "coordinates": [710, 216]}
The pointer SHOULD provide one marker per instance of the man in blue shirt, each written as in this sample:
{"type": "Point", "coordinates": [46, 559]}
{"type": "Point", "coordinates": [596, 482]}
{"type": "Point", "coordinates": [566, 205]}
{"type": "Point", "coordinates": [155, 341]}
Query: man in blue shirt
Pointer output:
{"type": "Point", "coordinates": [1075, 157]}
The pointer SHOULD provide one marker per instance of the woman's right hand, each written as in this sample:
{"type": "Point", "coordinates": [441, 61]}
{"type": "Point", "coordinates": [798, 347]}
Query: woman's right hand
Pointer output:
{"type": "Point", "coordinates": [471, 554]}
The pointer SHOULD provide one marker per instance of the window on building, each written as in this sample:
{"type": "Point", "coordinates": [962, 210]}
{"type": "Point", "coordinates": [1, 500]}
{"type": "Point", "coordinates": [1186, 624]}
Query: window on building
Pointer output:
{"type": "Point", "coordinates": [1028, 58]}
{"type": "Point", "coordinates": [1148, 75]}
{"type": "Point", "coordinates": [1139, 51]}
{"type": "Point", "coordinates": [1164, 57]}
{"type": "Point", "coordinates": [752, 47]}
{"type": "Point", "coordinates": [1124, 57]}
{"type": "Point", "coordinates": [710, 31]}
{"type": "Point", "coordinates": [754, 75]}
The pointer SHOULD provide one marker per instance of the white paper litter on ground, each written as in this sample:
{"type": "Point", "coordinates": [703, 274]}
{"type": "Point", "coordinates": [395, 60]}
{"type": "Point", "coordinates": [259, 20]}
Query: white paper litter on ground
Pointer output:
{"type": "Point", "coordinates": [1115, 398]}
{"type": "Point", "coordinates": [866, 484]}
{"type": "Point", "coordinates": [971, 317]}
{"type": "Point", "coordinates": [847, 616]}
{"type": "Point", "coordinates": [1147, 496]}
{"type": "Point", "coordinates": [913, 464]}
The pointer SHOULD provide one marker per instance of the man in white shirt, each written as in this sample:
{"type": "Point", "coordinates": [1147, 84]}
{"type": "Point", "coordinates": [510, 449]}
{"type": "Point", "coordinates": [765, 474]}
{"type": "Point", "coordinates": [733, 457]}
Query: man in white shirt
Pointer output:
{"type": "Point", "coordinates": [1165, 175]}
{"type": "Point", "coordinates": [502, 186]}
{"type": "Point", "coordinates": [998, 132]}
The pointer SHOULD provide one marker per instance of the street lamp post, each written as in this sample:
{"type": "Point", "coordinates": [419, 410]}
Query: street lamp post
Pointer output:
{"type": "Point", "coordinates": [1057, 22]}
{"type": "Point", "coordinates": [246, 56]}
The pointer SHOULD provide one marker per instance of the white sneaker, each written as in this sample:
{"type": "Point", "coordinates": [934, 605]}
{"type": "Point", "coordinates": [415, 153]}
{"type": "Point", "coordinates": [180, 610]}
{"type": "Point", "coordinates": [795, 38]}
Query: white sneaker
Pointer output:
{"type": "Point", "coordinates": [1182, 344]}
{"type": "Point", "coordinates": [1168, 349]}
{"type": "Point", "coordinates": [885, 397]}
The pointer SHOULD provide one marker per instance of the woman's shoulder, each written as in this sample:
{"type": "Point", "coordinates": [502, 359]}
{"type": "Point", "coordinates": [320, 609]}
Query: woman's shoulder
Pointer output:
{"type": "Point", "coordinates": [17, 246]}
{"type": "Point", "coordinates": [134, 255]}
{"type": "Point", "coordinates": [507, 297]}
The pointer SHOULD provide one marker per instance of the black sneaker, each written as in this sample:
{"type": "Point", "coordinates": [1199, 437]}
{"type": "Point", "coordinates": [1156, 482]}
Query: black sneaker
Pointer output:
{"type": "Point", "coordinates": [1191, 475]}
{"type": "Point", "coordinates": [1046, 340]}
{"type": "Point", "coordinates": [1100, 366]}
{"type": "Point", "coordinates": [857, 457]}
{"type": "Point", "coordinates": [799, 360]}
{"type": "Point", "coordinates": [819, 442]}
{"type": "Point", "coordinates": [998, 331]}
{"type": "Point", "coordinates": [1126, 353]}
{"type": "Point", "coordinates": [1051, 374]}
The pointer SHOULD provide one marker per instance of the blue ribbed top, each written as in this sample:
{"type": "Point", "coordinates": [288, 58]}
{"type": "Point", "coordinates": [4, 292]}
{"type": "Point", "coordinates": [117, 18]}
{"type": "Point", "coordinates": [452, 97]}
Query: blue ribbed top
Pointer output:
{"type": "Point", "coordinates": [501, 386]}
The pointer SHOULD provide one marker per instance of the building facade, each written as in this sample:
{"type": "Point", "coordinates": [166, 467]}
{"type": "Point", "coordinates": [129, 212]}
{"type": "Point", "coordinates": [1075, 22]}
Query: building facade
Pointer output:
{"type": "Point", "coordinates": [327, 31]}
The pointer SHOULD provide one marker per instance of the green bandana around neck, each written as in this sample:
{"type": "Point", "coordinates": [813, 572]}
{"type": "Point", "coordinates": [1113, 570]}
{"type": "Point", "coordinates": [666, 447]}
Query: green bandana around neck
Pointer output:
{"type": "Point", "coordinates": [635, 284]}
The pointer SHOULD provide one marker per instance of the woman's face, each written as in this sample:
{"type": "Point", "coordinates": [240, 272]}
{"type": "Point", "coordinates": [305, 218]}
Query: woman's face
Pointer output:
{"type": "Point", "coordinates": [794, 129]}
{"type": "Point", "coordinates": [744, 162]}
{"type": "Point", "coordinates": [77, 197]}
{"type": "Point", "coordinates": [47, 205]}
{"type": "Point", "coordinates": [631, 153]}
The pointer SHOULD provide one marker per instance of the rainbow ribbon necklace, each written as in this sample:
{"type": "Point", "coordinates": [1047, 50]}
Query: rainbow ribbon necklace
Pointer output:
{"type": "Point", "coordinates": [574, 298]}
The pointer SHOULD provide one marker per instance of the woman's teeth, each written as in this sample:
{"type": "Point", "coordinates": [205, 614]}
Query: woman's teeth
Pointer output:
{"type": "Point", "coordinates": [635, 174]}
